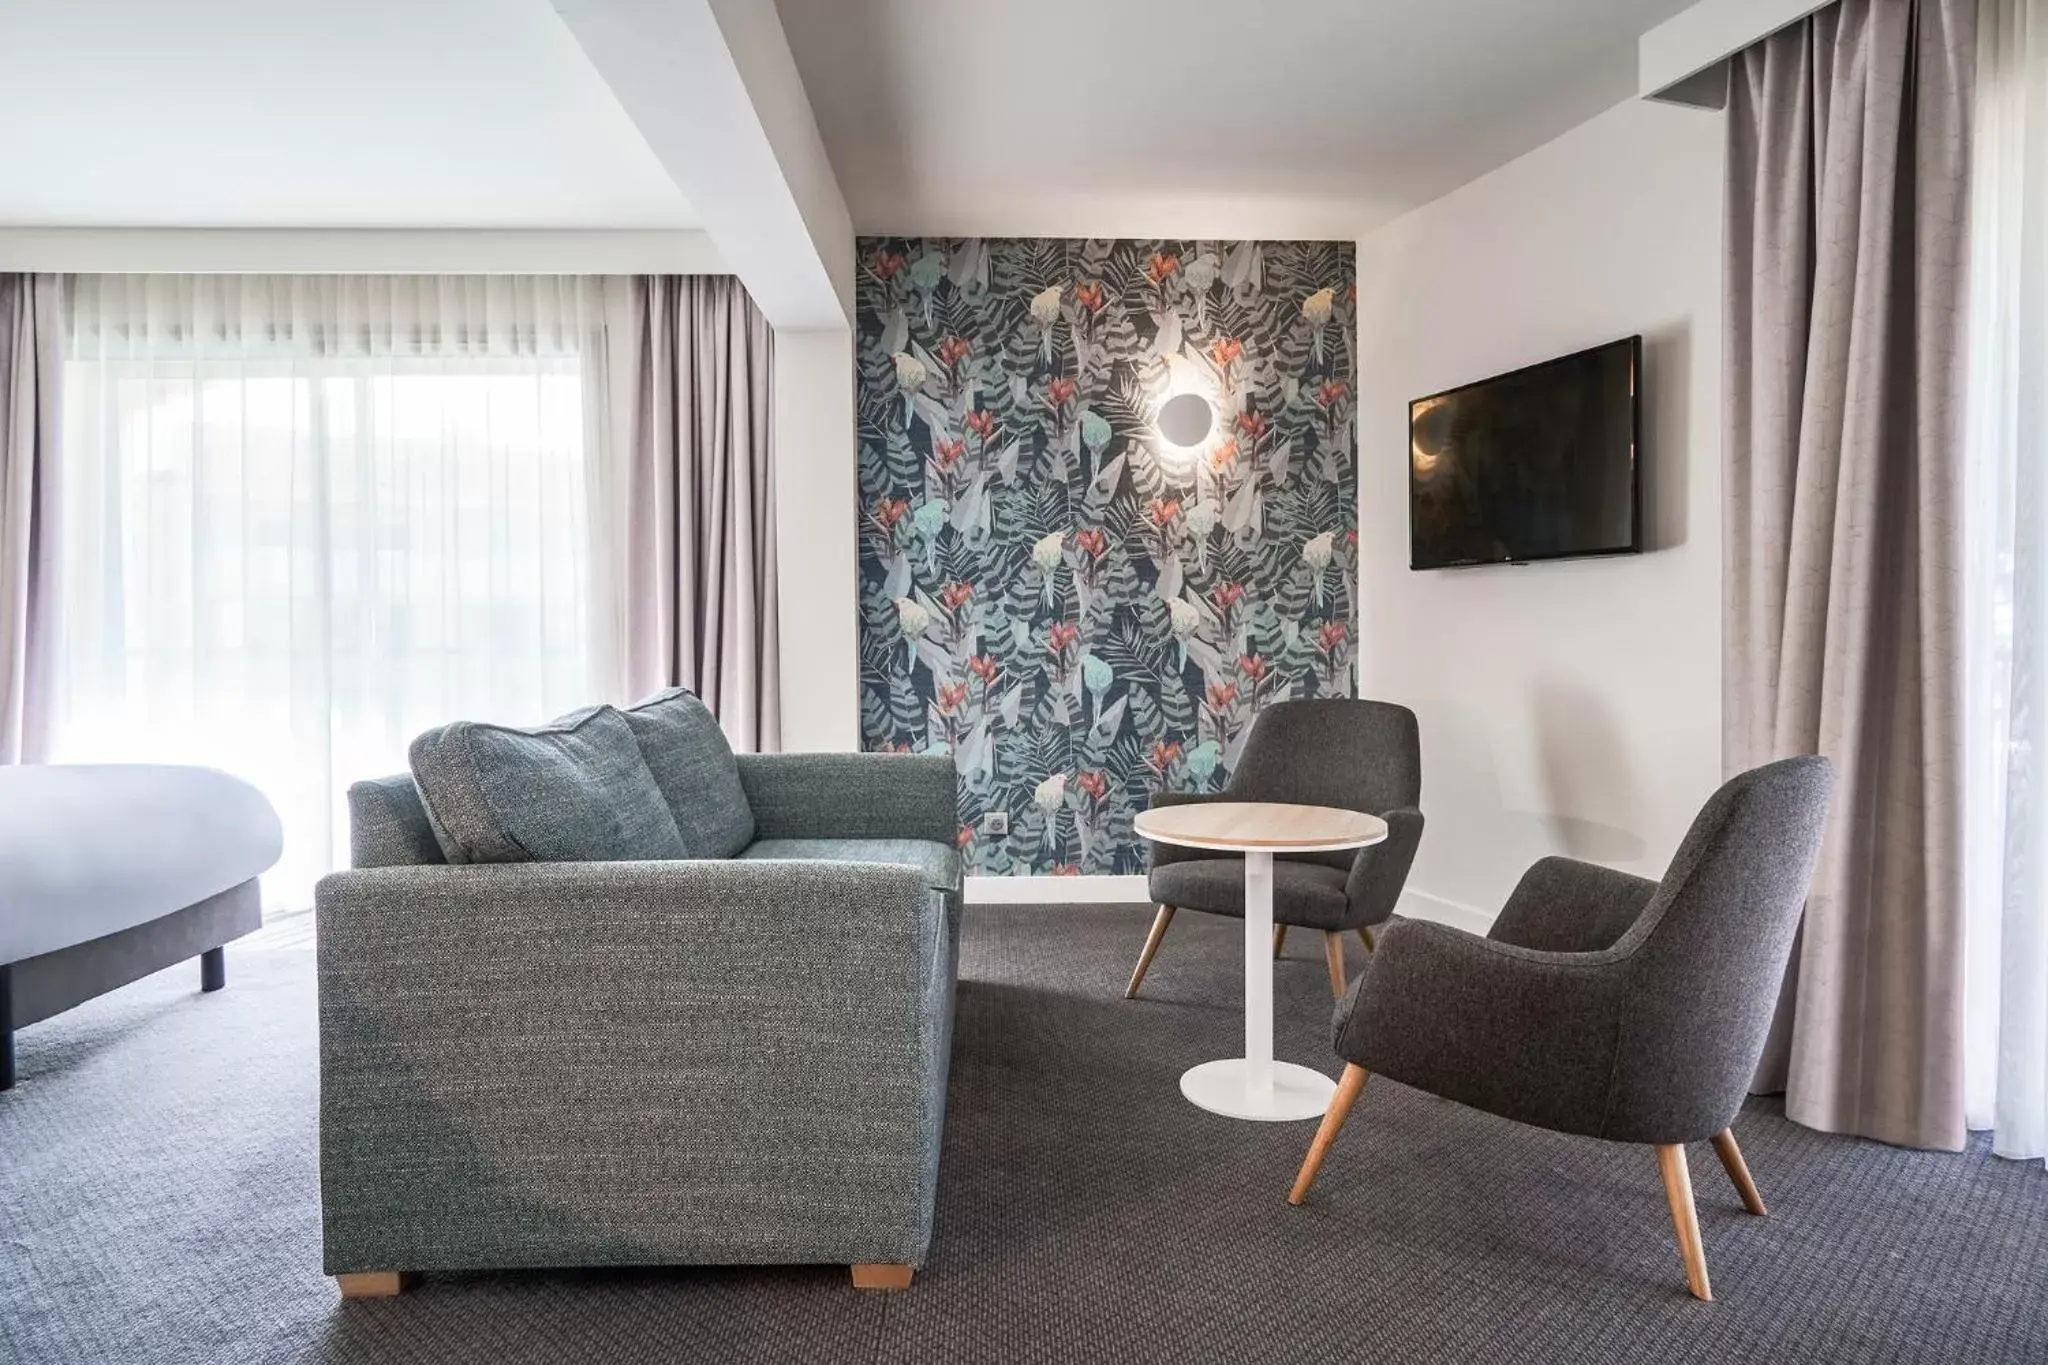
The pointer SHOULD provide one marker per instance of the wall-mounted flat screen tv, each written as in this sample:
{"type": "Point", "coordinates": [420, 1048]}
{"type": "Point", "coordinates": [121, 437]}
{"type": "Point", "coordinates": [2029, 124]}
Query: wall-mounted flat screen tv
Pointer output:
{"type": "Point", "coordinates": [1540, 463]}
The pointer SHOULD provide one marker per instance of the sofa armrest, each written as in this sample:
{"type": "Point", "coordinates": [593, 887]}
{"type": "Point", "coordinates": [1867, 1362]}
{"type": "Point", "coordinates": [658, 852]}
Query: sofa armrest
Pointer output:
{"type": "Point", "coordinates": [630, 1063]}
{"type": "Point", "coordinates": [1566, 906]}
{"type": "Point", "coordinates": [852, 796]}
{"type": "Point", "coordinates": [1528, 1035]}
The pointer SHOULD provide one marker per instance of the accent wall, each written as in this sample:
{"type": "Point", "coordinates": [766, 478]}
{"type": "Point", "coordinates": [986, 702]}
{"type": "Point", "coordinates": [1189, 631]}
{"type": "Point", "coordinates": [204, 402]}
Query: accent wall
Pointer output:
{"type": "Point", "coordinates": [1076, 610]}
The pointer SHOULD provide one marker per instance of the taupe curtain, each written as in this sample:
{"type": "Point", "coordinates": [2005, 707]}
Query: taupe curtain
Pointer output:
{"type": "Point", "coordinates": [700, 486]}
{"type": "Point", "coordinates": [29, 367]}
{"type": "Point", "coordinates": [1848, 156]}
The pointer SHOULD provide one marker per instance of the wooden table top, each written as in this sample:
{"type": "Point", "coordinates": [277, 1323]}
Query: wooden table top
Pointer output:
{"type": "Point", "coordinates": [1239, 826]}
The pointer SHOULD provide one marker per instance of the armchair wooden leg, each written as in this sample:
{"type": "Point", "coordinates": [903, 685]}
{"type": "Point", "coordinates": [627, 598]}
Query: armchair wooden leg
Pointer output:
{"type": "Point", "coordinates": [1348, 1087]}
{"type": "Point", "coordinates": [1279, 937]}
{"type": "Point", "coordinates": [1159, 923]}
{"type": "Point", "coordinates": [1365, 937]}
{"type": "Point", "coordinates": [1684, 1219]}
{"type": "Point", "coordinates": [373, 1284]}
{"type": "Point", "coordinates": [881, 1275]}
{"type": "Point", "coordinates": [1333, 953]}
{"type": "Point", "coordinates": [1738, 1171]}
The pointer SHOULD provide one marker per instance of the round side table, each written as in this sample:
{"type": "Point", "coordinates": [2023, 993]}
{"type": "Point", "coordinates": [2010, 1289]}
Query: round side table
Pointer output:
{"type": "Point", "coordinates": [1255, 1086]}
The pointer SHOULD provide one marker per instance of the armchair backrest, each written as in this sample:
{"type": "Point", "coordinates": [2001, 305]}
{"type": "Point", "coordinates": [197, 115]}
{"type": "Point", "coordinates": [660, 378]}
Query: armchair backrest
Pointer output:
{"type": "Point", "coordinates": [1356, 755]}
{"type": "Point", "coordinates": [1708, 953]}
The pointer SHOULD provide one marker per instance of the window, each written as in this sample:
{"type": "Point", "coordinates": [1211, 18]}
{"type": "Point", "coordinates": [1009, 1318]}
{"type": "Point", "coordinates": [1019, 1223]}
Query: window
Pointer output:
{"type": "Point", "coordinates": [305, 519]}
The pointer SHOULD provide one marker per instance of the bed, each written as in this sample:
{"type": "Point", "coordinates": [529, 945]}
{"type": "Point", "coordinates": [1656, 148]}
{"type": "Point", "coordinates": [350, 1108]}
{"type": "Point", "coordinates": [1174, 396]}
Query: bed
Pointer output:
{"type": "Point", "coordinates": [109, 872]}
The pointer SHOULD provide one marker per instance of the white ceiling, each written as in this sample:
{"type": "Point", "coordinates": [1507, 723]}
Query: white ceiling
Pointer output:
{"type": "Point", "coordinates": [314, 113]}
{"type": "Point", "coordinates": [1193, 117]}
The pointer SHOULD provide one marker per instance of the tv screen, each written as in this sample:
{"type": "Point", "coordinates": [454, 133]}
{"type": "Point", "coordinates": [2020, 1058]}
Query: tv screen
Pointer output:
{"type": "Point", "coordinates": [1536, 464]}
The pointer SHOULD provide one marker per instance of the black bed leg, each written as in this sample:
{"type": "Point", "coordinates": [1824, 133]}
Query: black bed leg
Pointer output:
{"type": "Point", "coordinates": [213, 969]}
{"type": "Point", "coordinates": [6, 1027]}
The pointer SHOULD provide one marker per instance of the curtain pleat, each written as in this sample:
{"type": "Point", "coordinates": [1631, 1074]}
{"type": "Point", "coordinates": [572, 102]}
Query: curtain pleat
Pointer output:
{"type": "Point", "coordinates": [30, 365]}
{"type": "Point", "coordinates": [2006, 808]}
{"type": "Point", "coordinates": [1848, 159]}
{"type": "Point", "coordinates": [700, 541]}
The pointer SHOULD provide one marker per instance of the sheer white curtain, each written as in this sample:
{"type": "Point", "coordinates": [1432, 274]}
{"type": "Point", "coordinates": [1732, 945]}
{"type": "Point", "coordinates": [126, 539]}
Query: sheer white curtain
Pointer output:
{"type": "Point", "coordinates": [2006, 677]}
{"type": "Point", "coordinates": [306, 517]}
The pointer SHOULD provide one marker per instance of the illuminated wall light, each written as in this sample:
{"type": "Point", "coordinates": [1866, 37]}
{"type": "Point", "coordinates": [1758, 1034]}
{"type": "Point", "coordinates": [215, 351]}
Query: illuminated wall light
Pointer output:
{"type": "Point", "coordinates": [1185, 420]}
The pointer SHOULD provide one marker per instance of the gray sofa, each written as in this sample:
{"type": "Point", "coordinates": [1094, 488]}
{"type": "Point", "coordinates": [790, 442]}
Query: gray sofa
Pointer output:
{"type": "Point", "coordinates": [713, 1060]}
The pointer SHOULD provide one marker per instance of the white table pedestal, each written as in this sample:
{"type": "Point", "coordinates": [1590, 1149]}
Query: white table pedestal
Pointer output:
{"type": "Point", "coordinates": [1255, 1086]}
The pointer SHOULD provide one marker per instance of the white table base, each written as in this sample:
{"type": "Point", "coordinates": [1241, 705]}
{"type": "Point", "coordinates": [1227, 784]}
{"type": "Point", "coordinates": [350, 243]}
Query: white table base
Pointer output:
{"type": "Point", "coordinates": [1255, 1086]}
{"type": "Point", "coordinates": [1226, 1087]}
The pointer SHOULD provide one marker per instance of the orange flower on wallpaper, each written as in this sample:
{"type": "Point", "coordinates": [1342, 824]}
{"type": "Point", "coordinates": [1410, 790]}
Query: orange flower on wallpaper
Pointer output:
{"type": "Point", "coordinates": [947, 452]}
{"type": "Point", "coordinates": [1164, 510]}
{"type": "Point", "coordinates": [1226, 595]}
{"type": "Point", "coordinates": [1331, 635]}
{"type": "Point", "coordinates": [1091, 296]}
{"type": "Point", "coordinates": [983, 667]}
{"type": "Point", "coordinates": [1222, 694]}
{"type": "Point", "coordinates": [1066, 869]}
{"type": "Point", "coordinates": [887, 263]}
{"type": "Point", "coordinates": [1253, 424]}
{"type": "Point", "coordinates": [1094, 542]}
{"type": "Point", "coordinates": [953, 595]}
{"type": "Point", "coordinates": [964, 837]}
{"type": "Point", "coordinates": [1226, 350]}
{"type": "Point", "coordinates": [1094, 783]}
{"type": "Point", "coordinates": [1253, 667]}
{"type": "Point", "coordinates": [953, 350]}
{"type": "Point", "coordinates": [1058, 391]}
{"type": "Point", "coordinates": [1223, 454]}
{"type": "Point", "coordinates": [1164, 755]}
{"type": "Point", "coordinates": [1061, 634]}
{"type": "Point", "coordinates": [951, 696]}
{"type": "Point", "coordinates": [1332, 393]}
{"type": "Point", "coordinates": [1160, 266]}
{"type": "Point", "coordinates": [889, 511]}
{"type": "Point", "coordinates": [981, 422]}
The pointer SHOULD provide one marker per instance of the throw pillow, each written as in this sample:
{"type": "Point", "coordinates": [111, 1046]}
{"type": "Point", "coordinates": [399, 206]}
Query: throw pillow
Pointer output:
{"type": "Point", "coordinates": [574, 790]}
{"type": "Point", "coordinates": [694, 765]}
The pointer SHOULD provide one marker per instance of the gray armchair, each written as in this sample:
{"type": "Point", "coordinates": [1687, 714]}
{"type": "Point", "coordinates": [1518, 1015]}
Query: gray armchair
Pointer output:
{"type": "Point", "coordinates": [1356, 755]}
{"type": "Point", "coordinates": [705, 1061]}
{"type": "Point", "coordinates": [1604, 1004]}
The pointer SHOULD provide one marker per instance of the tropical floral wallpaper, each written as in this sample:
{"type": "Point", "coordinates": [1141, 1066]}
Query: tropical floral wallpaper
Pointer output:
{"type": "Point", "coordinates": [1077, 611]}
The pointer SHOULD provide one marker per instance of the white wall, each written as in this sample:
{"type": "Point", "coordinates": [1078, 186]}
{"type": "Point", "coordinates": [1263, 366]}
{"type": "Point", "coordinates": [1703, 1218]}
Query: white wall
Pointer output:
{"type": "Point", "coordinates": [1567, 707]}
{"type": "Point", "coordinates": [816, 493]}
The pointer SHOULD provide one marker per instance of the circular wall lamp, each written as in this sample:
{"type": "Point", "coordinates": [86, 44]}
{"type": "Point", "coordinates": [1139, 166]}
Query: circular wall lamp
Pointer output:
{"type": "Point", "coordinates": [1185, 420]}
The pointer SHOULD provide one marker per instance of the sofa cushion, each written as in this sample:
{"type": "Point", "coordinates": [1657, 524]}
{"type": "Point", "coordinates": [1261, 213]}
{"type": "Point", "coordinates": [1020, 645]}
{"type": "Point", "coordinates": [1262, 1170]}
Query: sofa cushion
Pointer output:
{"type": "Point", "coordinates": [694, 766]}
{"type": "Point", "coordinates": [574, 790]}
{"type": "Point", "coordinates": [939, 864]}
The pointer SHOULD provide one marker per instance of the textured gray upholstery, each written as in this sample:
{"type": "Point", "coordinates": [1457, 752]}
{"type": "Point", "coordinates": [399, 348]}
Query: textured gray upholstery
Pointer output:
{"type": "Point", "coordinates": [388, 825]}
{"type": "Point", "coordinates": [693, 764]}
{"type": "Point", "coordinates": [852, 796]}
{"type": "Point", "coordinates": [939, 864]}
{"type": "Point", "coordinates": [574, 790]}
{"type": "Point", "coordinates": [630, 1064]}
{"type": "Point", "coordinates": [1303, 893]}
{"type": "Point", "coordinates": [1603, 1004]}
{"type": "Point", "coordinates": [1354, 755]}
{"type": "Point", "coordinates": [732, 1061]}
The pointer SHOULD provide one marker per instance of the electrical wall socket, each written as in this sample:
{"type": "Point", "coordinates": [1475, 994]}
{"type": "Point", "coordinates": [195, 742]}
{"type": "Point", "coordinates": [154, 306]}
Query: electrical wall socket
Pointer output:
{"type": "Point", "coordinates": [996, 822]}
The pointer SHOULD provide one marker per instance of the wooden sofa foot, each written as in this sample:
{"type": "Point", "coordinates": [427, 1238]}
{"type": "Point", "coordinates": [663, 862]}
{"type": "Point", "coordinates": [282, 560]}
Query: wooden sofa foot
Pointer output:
{"type": "Point", "coordinates": [373, 1284]}
{"type": "Point", "coordinates": [881, 1275]}
{"type": "Point", "coordinates": [213, 969]}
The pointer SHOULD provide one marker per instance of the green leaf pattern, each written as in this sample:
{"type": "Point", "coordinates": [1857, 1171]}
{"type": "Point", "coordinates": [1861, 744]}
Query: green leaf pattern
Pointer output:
{"type": "Point", "coordinates": [1077, 612]}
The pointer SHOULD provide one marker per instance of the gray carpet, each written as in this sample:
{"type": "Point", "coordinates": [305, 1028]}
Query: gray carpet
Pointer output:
{"type": "Point", "coordinates": [158, 1203]}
